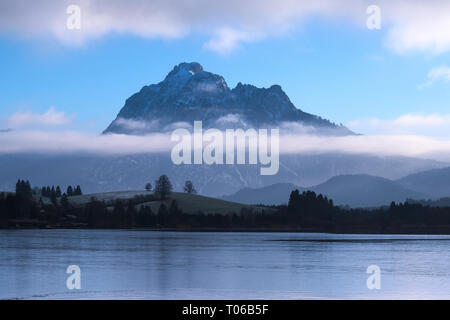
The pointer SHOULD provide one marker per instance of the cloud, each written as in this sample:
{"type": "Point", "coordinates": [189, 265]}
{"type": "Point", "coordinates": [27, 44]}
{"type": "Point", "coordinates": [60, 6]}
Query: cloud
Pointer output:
{"type": "Point", "coordinates": [136, 125]}
{"type": "Point", "coordinates": [30, 118]}
{"type": "Point", "coordinates": [74, 141]}
{"type": "Point", "coordinates": [378, 145]}
{"type": "Point", "coordinates": [227, 40]}
{"type": "Point", "coordinates": [432, 120]}
{"type": "Point", "coordinates": [38, 141]}
{"type": "Point", "coordinates": [411, 25]}
{"type": "Point", "coordinates": [436, 74]}
{"type": "Point", "coordinates": [431, 125]}
{"type": "Point", "coordinates": [418, 25]}
{"type": "Point", "coordinates": [300, 129]}
{"type": "Point", "coordinates": [231, 118]}
{"type": "Point", "coordinates": [178, 125]}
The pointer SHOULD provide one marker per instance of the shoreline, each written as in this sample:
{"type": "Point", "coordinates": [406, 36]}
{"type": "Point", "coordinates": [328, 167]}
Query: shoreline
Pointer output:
{"type": "Point", "coordinates": [251, 230]}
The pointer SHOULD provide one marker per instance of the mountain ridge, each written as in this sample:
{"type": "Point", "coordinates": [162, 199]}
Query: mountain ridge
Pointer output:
{"type": "Point", "coordinates": [100, 173]}
{"type": "Point", "coordinates": [436, 182]}
{"type": "Point", "coordinates": [190, 93]}
{"type": "Point", "coordinates": [354, 190]}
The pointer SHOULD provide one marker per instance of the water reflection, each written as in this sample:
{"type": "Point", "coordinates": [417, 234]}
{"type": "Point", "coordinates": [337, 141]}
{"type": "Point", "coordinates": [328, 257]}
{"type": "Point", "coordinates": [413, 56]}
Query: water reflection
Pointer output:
{"type": "Point", "coordinates": [170, 265]}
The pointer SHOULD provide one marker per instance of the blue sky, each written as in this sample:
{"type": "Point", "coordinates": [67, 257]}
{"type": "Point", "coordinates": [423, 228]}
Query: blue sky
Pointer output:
{"type": "Point", "coordinates": [331, 69]}
{"type": "Point", "coordinates": [390, 84]}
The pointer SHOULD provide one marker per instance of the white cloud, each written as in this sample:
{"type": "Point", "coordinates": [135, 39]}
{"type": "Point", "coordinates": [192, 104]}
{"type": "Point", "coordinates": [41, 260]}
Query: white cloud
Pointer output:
{"type": "Point", "coordinates": [418, 25]}
{"type": "Point", "coordinates": [227, 40]}
{"type": "Point", "coordinates": [379, 145]}
{"type": "Point", "coordinates": [39, 141]}
{"type": "Point", "coordinates": [300, 129]}
{"type": "Point", "coordinates": [74, 141]}
{"type": "Point", "coordinates": [136, 125]}
{"type": "Point", "coordinates": [436, 74]}
{"type": "Point", "coordinates": [432, 120]}
{"type": "Point", "coordinates": [178, 125]}
{"type": "Point", "coordinates": [431, 125]}
{"type": "Point", "coordinates": [232, 118]}
{"type": "Point", "coordinates": [411, 25]}
{"type": "Point", "coordinates": [30, 118]}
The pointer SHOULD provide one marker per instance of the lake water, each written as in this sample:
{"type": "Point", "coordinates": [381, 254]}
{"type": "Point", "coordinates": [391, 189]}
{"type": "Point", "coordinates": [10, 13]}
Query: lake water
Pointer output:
{"type": "Point", "coordinates": [177, 265]}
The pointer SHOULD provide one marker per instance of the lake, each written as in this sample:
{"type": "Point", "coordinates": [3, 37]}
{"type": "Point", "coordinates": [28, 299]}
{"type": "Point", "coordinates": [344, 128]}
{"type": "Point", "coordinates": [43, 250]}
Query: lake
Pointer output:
{"type": "Point", "coordinates": [121, 264]}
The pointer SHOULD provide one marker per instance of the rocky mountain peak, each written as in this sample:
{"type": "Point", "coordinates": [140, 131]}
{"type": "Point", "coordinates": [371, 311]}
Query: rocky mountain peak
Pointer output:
{"type": "Point", "coordinates": [189, 93]}
{"type": "Point", "coordinates": [184, 70]}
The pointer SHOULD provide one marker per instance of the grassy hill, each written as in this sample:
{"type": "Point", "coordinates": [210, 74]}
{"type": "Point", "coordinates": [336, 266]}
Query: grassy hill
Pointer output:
{"type": "Point", "coordinates": [108, 197]}
{"type": "Point", "coordinates": [189, 203]}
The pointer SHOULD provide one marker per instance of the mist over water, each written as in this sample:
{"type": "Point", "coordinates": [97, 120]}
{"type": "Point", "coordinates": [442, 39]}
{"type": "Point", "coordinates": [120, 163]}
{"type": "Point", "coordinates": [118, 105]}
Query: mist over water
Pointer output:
{"type": "Point", "coordinates": [178, 265]}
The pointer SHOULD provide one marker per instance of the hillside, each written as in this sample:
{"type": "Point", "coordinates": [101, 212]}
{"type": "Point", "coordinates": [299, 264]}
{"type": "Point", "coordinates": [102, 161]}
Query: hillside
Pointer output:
{"type": "Point", "coordinates": [365, 191]}
{"type": "Point", "coordinates": [353, 190]}
{"type": "Point", "coordinates": [97, 173]}
{"type": "Point", "coordinates": [189, 203]}
{"type": "Point", "coordinates": [435, 183]}
{"type": "Point", "coordinates": [271, 195]}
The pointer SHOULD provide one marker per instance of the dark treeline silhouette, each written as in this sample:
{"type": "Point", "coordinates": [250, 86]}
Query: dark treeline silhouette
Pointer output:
{"type": "Point", "coordinates": [307, 212]}
{"type": "Point", "coordinates": [50, 192]}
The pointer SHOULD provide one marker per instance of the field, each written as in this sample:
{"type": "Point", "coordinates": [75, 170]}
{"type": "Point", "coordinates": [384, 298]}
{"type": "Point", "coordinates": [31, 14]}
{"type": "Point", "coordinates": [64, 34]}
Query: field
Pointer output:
{"type": "Point", "coordinates": [189, 203]}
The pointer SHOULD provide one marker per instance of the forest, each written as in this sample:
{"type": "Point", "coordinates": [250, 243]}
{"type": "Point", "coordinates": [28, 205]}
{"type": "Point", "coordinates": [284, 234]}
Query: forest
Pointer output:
{"type": "Point", "coordinates": [305, 212]}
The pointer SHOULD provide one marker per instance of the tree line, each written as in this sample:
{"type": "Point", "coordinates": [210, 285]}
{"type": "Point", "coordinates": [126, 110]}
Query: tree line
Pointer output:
{"type": "Point", "coordinates": [305, 211]}
{"type": "Point", "coordinates": [56, 192]}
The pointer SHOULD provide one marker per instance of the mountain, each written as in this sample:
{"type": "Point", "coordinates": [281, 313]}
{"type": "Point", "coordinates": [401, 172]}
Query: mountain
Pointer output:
{"type": "Point", "coordinates": [442, 202]}
{"type": "Point", "coordinates": [96, 173]}
{"type": "Point", "coordinates": [190, 93]}
{"type": "Point", "coordinates": [353, 190]}
{"type": "Point", "coordinates": [365, 191]}
{"type": "Point", "coordinates": [274, 194]}
{"type": "Point", "coordinates": [434, 182]}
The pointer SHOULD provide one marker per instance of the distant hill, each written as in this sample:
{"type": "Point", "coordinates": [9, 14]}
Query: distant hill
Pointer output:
{"type": "Point", "coordinates": [96, 173]}
{"type": "Point", "coordinates": [443, 202]}
{"type": "Point", "coordinates": [365, 191]}
{"type": "Point", "coordinates": [271, 195]}
{"type": "Point", "coordinates": [189, 203]}
{"type": "Point", "coordinates": [352, 190]}
{"type": "Point", "coordinates": [435, 183]}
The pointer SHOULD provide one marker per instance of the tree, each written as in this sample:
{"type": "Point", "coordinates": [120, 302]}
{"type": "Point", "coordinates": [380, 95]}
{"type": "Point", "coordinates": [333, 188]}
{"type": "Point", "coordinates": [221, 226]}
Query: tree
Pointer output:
{"type": "Point", "coordinates": [53, 198]}
{"type": "Point", "coordinates": [23, 189]}
{"type": "Point", "coordinates": [58, 191]}
{"type": "Point", "coordinates": [77, 191]}
{"type": "Point", "coordinates": [64, 201]}
{"type": "Point", "coordinates": [189, 187]}
{"type": "Point", "coordinates": [148, 187]}
{"type": "Point", "coordinates": [163, 187]}
{"type": "Point", "coordinates": [69, 191]}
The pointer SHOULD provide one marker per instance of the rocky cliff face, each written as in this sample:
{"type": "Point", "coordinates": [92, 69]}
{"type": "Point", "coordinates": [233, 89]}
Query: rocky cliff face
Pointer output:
{"type": "Point", "coordinates": [189, 93]}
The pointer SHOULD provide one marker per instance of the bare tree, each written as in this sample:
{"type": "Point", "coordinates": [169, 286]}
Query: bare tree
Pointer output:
{"type": "Point", "coordinates": [163, 187]}
{"type": "Point", "coordinates": [189, 187]}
